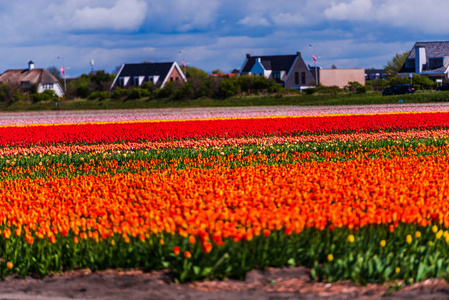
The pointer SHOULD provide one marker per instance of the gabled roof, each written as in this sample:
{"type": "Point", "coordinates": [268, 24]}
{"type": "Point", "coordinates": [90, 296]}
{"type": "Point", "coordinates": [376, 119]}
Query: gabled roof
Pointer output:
{"type": "Point", "coordinates": [270, 62]}
{"type": "Point", "coordinates": [32, 76]}
{"type": "Point", "coordinates": [433, 49]}
{"type": "Point", "coordinates": [161, 70]}
{"type": "Point", "coordinates": [146, 69]}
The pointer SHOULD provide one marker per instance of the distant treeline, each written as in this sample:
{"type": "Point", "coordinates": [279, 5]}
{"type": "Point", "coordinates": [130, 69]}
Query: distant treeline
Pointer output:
{"type": "Point", "coordinates": [96, 85]}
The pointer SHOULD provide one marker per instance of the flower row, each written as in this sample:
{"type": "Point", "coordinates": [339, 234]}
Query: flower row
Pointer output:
{"type": "Point", "coordinates": [64, 117]}
{"type": "Point", "coordinates": [228, 128]}
{"type": "Point", "coordinates": [233, 202]}
{"type": "Point", "coordinates": [223, 142]}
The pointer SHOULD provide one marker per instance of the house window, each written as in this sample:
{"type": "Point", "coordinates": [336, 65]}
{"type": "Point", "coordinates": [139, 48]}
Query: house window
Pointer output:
{"type": "Point", "coordinates": [303, 77]}
{"type": "Point", "coordinates": [136, 81]}
{"type": "Point", "coordinates": [410, 63]}
{"type": "Point", "coordinates": [153, 79]}
{"type": "Point", "coordinates": [277, 75]}
{"type": "Point", "coordinates": [26, 85]}
{"type": "Point", "coordinates": [171, 78]}
{"type": "Point", "coordinates": [121, 81]}
{"type": "Point", "coordinates": [296, 78]}
{"type": "Point", "coordinates": [47, 86]}
{"type": "Point", "coordinates": [435, 62]}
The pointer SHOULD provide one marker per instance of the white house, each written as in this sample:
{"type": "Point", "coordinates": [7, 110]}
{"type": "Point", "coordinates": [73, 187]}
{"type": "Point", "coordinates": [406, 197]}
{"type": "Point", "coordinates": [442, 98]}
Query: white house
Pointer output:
{"type": "Point", "coordinates": [26, 78]}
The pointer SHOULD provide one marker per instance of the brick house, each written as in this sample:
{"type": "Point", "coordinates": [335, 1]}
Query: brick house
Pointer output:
{"type": "Point", "coordinates": [134, 75]}
{"type": "Point", "coordinates": [290, 71]}
{"type": "Point", "coordinates": [340, 77]}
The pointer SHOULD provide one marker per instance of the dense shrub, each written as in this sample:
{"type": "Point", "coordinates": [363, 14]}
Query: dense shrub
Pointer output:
{"type": "Point", "coordinates": [99, 95]}
{"type": "Point", "coordinates": [138, 93]}
{"type": "Point", "coordinates": [5, 93]}
{"type": "Point", "coordinates": [44, 96]}
{"type": "Point", "coordinates": [330, 90]}
{"type": "Point", "coordinates": [355, 87]}
{"type": "Point", "coordinates": [166, 92]}
{"type": "Point", "coordinates": [423, 82]}
{"type": "Point", "coordinates": [86, 84]}
{"type": "Point", "coordinates": [149, 86]}
{"type": "Point", "coordinates": [228, 87]}
{"type": "Point", "coordinates": [184, 92]}
{"type": "Point", "coordinates": [310, 91]}
{"type": "Point", "coordinates": [119, 93]}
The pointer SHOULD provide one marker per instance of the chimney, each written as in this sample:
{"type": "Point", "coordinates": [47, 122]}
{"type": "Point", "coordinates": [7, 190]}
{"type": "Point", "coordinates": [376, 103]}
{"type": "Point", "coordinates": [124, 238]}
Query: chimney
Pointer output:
{"type": "Point", "coordinates": [298, 54]}
{"type": "Point", "coordinates": [248, 55]}
{"type": "Point", "coordinates": [30, 65]}
{"type": "Point", "coordinates": [420, 58]}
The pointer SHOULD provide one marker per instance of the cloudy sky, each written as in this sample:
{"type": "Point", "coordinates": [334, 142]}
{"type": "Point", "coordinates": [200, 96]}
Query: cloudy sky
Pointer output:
{"type": "Point", "coordinates": [213, 34]}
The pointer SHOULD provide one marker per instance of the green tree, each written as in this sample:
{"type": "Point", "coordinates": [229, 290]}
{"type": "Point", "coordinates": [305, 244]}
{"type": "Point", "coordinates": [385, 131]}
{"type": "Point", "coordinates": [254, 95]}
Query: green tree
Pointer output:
{"type": "Point", "coordinates": [166, 92]}
{"type": "Point", "coordinates": [101, 80]}
{"type": "Point", "coordinates": [192, 72]}
{"type": "Point", "coordinates": [228, 87]}
{"type": "Point", "coordinates": [396, 63]}
{"type": "Point", "coordinates": [81, 87]}
{"type": "Point", "coordinates": [54, 71]}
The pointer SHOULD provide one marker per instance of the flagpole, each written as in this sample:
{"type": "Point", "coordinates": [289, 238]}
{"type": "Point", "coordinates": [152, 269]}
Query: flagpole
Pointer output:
{"type": "Point", "coordinates": [63, 74]}
{"type": "Point", "coordinates": [183, 60]}
{"type": "Point", "coordinates": [314, 59]}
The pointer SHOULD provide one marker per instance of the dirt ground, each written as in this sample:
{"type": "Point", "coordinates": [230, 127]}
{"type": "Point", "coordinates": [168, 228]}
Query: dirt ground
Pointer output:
{"type": "Point", "coordinates": [271, 284]}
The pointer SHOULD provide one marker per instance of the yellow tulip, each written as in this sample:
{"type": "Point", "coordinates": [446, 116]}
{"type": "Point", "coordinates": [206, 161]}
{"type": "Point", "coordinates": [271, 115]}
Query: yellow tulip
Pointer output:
{"type": "Point", "coordinates": [408, 239]}
{"type": "Point", "coordinates": [434, 228]}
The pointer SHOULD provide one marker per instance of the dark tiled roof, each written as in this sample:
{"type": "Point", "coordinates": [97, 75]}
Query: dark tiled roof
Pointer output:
{"type": "Point", "coordinates": [266, 64]}
{"type": "Point", "coordinates": [433, 49]}
{"type": "Point", "coordinates": [146, 69]}
{"type": "Point", "coordinates": [272, 62]}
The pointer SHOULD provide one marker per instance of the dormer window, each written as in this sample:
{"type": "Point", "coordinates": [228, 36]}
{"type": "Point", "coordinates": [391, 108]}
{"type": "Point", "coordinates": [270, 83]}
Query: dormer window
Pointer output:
{"type": "Point", "coordinates": [410, 63]}
{"type": "Point", "coordinates": [435, 62]}
{"type": "Point", "coordinates": [26, 85]}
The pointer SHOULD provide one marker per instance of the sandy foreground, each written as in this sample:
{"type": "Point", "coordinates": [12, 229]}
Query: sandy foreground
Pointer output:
{"type": "Point", "coordinates": [284, 283]}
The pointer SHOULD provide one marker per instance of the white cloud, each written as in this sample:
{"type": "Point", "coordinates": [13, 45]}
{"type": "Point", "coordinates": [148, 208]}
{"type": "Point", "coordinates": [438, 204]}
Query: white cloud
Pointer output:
{"type": "Point", "coordinates": [427, 16]}
{"type": "Point", "coordinates": [182, 15]}
{"type": "Point", "coordinates": [214, 33]}
{"type": "Point", "coordinates": [254, 21]}
{"type": "Point", "coordinates": [288, 19]}
{"type": "Point", "coordinates": [354, 10]}
{"type": "Point", "coordinates": [124, 15]}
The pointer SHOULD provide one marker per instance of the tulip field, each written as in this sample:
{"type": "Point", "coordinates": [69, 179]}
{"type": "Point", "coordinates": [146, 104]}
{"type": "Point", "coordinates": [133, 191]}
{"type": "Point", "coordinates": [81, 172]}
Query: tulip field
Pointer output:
{"type": "Point", "coordinates": [358, 194]}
